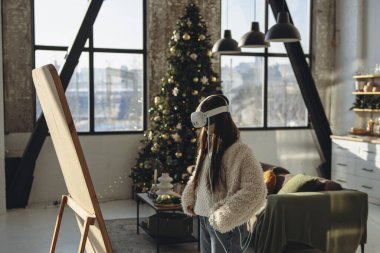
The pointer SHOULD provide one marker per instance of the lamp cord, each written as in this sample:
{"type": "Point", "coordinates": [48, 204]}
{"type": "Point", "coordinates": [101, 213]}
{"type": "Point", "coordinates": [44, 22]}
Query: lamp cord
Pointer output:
{"type": "Point", "coordinates": [227, 16]}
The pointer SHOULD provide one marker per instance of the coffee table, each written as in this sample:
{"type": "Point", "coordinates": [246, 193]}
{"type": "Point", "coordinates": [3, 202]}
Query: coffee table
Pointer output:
{"type": "Point", "coordinates": [143, 197]}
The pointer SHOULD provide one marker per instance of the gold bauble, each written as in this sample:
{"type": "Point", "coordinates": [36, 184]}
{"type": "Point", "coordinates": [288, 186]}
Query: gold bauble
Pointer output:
{"type": "Point", "coordinates": [201, 37]}
{"type": "Point", "coordinates": [165, 136]}
{"type": "Point", "coordinates": [171, 79]}
{"type": "Point", "coordinates": [194, 92]}
{"type": "Point", "coordinates": [195, 79]}
{"type": "Point", "coordinates": [157, 100]}
{"type": "Point", "coordinates": [172, 50]}
{"type": "Point", "coordinates": [178, 154]}
{"type": "Point", "coordinates": [213, 79]}
{"type": "Point", "coordinates": [166, 112]}
{"type": "Point", "coordinates": [194, 56]}
{"type": "Point", "coordinates": [209, 53]}
{"type": "Point", "coordinates": [186, 36]}
{"type": "Point", "coordinates": [157, 118]}
{"type": "Point", "coordinates": [193, 140]}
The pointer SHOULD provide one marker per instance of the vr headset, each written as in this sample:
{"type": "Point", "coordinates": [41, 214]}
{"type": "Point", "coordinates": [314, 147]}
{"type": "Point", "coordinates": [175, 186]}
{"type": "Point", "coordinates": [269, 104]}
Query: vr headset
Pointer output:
{"type": "Point", "coordinates": [199, 119]}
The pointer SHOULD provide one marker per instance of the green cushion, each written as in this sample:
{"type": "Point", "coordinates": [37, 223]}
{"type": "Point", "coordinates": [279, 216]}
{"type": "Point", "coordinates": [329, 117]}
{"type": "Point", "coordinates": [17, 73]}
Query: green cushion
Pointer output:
{"type": "Point", "coordinates": [300, 183]}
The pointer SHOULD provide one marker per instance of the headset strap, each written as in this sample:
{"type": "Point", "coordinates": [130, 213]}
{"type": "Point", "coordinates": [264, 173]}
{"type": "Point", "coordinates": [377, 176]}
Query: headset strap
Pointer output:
{"type": "Point", "coordinates": [216, 111]}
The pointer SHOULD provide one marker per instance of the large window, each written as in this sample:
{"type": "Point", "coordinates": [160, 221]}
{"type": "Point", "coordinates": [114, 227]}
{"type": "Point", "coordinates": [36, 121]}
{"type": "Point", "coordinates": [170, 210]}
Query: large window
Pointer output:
{"type": "Point", "coordinates": [106, 91]}
{"type": "Point", "coordinates": [261, 83]}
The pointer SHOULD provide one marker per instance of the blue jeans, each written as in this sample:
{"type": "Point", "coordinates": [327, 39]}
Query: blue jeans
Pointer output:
{"type": "Point", "coordinates": [231, 240]}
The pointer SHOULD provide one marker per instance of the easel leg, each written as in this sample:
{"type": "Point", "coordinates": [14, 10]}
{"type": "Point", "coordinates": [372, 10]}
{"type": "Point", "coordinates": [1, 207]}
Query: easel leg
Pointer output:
{"type": "Point", "coordinates": [86, 226]}
{"type": "Point", "coordinates": [58, 224]}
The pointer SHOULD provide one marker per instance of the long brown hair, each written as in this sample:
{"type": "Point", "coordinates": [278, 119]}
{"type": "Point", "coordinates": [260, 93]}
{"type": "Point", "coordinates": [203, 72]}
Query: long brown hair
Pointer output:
{"type": "Point", "coordinates": [225, 134]}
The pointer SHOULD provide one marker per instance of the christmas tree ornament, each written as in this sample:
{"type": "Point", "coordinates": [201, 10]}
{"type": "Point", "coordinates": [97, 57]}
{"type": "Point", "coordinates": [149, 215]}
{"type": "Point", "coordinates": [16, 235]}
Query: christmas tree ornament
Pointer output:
{"type": "Point", "coordinates": [193, 140]}
{"type": "Point", "coordinates": [157, 100]}
{"type": "Point", "coordinates": [194, 92]}
{"type": "Point", "coordinates": [175, 108]}
{"type": "Point", "coordinates": [175, 91]}
{"type": "Point", "coordinates": [165, 136]}
{"type": "Point", "coordinates": [195, 79]}
{"type": "Point", "coordinates": [204, 80]}
{"type": "Point", "coordinates": [166, 112]}
{"type": "Point", "coordinates": [189, 23]}
{"type": "Point", "coordinates": [186, 36]}
{"type": "Point", "coordinates": [201, 37]}
{"type": "Point", "coordinates": [157, 118]}
{"type": "Point", "coordinates": [150, 135]}
{"type": "Point", "coordinates": [172, 50]}
{"type": "Point", "coordinates": [194, 56]}
{"type": "Point", "coordinates": [176, 137]}
{"type": "Point", "coordinates": [171, 80]}
{"type": "Point", "coordinates": [178, 154]}
{"type": "Point", "coordinates": [160, 107]}
{"type": "Point", "coordinates": [209, 53]}
{"type": "Point", "coordinates": [213, 79]}
{"type": "Point", "coordinates": [179, 126]}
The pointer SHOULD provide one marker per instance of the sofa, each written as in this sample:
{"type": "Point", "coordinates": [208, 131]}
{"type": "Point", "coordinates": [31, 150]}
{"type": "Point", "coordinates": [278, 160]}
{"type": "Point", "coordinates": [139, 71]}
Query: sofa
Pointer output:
{"type": "Point", "coordinates": [316, 216]}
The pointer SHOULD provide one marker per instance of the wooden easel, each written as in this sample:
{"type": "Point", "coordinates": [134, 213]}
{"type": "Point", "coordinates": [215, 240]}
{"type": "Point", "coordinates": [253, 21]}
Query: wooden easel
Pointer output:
{"type": "Point", "coordinates": [88, 219]}
{"type": "Point", "coordinates": [81, 197]}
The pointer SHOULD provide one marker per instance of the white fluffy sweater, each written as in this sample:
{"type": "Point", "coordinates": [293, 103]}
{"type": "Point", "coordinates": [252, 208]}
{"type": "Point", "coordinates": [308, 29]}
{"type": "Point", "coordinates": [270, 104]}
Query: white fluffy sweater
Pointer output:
{"type": "Point", "coordinates": [244, 195]}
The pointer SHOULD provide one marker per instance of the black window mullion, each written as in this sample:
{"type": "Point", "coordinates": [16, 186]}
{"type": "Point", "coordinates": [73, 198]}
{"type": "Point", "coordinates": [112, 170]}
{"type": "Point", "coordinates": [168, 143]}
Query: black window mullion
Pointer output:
{"type": "Point", "coordinates": [265, 95]}
{"type": "Point", "coordinates": [91, 84]}
{"type": "Point", "coordinates": [145, 65]}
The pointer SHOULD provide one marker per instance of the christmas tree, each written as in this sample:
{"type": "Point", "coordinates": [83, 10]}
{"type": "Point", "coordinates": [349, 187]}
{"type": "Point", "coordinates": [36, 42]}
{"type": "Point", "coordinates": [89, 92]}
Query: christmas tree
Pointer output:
{"type": "Point", "coordinates": [170, 142]}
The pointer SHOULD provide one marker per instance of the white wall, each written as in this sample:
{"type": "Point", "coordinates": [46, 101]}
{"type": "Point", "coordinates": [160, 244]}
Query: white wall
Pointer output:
{"type": "Point", "coordinates": [110, 158]}
{"type": "Point", "coordinates": [358, 40]}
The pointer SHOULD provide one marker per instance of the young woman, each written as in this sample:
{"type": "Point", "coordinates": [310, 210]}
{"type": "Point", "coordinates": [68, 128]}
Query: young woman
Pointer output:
{"type": "Point", "coordinates": [226, 188]}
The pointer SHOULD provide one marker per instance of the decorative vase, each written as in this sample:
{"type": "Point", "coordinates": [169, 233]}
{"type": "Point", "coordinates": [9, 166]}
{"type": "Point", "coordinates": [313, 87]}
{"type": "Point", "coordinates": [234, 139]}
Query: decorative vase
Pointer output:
{"type": "Point", "coordinates": [165, 187]}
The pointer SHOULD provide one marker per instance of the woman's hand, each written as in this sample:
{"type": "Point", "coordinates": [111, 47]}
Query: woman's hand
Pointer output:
{"type": "Point", "coordinates": [190, 209]}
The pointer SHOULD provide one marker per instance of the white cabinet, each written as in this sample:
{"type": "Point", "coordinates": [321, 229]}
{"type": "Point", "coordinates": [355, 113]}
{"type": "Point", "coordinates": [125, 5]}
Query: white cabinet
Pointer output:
{"type": "Point", "coordinates": [356, 165]}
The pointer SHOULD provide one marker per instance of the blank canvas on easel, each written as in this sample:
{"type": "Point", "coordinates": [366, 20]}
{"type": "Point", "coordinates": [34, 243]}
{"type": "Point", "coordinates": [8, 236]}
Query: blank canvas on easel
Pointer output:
{"type": "Point", "coordinates": [70, 154]}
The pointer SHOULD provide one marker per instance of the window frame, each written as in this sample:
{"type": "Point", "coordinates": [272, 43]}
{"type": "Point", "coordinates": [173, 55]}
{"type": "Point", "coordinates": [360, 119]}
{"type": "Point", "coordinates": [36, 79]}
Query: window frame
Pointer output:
{"type": "Point", "coordinates": [91, 50]}
{"type": "Point", "coordinates": [266, 55]}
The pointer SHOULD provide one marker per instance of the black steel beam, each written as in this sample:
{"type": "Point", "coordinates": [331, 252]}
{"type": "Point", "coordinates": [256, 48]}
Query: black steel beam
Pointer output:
{"type": "Point", "coordinates": [309, 93]}
{"type": "Point", "coordinates": [19, 190]}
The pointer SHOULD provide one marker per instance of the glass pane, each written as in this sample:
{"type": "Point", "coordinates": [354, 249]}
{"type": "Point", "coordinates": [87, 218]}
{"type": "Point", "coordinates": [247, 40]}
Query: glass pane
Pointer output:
{"type": "Point", "coordinates": [78, 89]}
{"type": "Point", "coordinates": [119, 25]}
{"type": "Point", "coordinates": [57, 22]}
{"type": "Point", "coordinates": [242, 81]}
{"type": "Point", "coordinates": [286, 107]}
{"type": "Point", "coordinates": [118, 92]}
{"type": "Point", "coordinates": [239, 16]}
{"type": "Point", "coordinates": [300, 13]}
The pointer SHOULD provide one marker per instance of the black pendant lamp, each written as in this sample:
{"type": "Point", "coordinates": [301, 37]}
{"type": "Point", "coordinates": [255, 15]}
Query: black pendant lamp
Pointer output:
{"type": "Point", "coordinates": [226, 45]}
{"type": "Point", "coordinates": [283, 31]}
{"type": "Point", "coordinates": [254, 38]}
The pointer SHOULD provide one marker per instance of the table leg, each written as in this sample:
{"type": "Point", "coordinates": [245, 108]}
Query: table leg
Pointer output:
{"type": "Point", "coordinates": [199, 233]}
{"type": "Point", "coordinates": [158, 232]}
{"type": "Point", "coordinates": [138, 215]}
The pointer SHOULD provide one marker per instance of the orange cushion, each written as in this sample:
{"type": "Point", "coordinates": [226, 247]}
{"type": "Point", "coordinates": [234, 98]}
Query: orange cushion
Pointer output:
{"type": "Point", "coordinates": [270, 180]}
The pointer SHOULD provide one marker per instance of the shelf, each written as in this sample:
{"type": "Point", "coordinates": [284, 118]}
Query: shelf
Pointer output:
{"type": "Point", "coordinates": [366, 76]}
{"type": "Point", "coordinates": [365, 110]}
{"type": "Point", "coordinates": [166, 239]}
{"type": "Point", "coordinates": [366, 93]}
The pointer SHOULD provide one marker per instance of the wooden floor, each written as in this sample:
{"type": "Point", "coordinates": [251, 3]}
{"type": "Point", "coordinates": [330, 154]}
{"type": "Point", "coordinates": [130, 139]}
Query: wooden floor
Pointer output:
{"type": "Point", "coordinates": [30, 230]}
